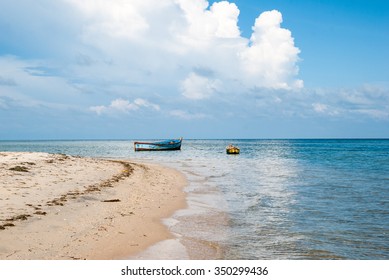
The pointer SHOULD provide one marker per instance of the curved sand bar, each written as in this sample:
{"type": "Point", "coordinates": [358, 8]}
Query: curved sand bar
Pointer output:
{"type": "Point", "coordinates": [55, 206]}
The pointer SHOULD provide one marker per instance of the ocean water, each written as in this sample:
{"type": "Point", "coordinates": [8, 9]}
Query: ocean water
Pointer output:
{"type": "Point", "coordinates": [277, 199]}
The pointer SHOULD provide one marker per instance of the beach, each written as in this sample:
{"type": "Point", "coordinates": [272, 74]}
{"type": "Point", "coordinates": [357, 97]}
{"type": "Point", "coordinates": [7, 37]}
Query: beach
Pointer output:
{"type": "Point", "coordinates": [56, 206]}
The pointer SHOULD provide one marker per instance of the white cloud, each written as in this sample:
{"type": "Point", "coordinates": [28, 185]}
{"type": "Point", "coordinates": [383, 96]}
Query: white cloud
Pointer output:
{"type": "Point", "coordinates": [173, 51]}
{"type": "Point", "coordinates": [98, 109]}
{"type": "Point", "coordinates": [198, 87]}
{"type": "Point", "coordinates": [144, 103]}
{"type": "Point", "coordinates": [80, 56]}
{"type": "Point", "coordinates": [156, 42]}
{"type": "Point", "coordinates": [325, 109]}
{"type": "Point", "coordinates": [226, 15]}
{"type": "Point", "coordinates": [204, 25]}
{"type": "Point", "coordinates": [270, 59]}
{"type": "Point", "coordinates": [124, 106]}
{"type": "Point", "coordinates": [119, 18]}
{"type": "Point", "coordinates": [366, 101]}
{"type": "Point", "coordinates": [320, 108]}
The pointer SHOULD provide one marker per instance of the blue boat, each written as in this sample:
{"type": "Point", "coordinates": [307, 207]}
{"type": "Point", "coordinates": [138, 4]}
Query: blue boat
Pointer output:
{"type": "Point", "coordinates": [165, 145]}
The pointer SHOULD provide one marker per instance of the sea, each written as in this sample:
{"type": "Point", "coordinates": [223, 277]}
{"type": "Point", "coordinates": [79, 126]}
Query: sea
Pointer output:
{"type": "Point", "coordinates": [278, 199]}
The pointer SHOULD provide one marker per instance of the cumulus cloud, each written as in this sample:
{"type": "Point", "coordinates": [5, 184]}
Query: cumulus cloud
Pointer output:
{"type": "Point", "coordinates": [198, 87]}
{"type": "Point", "coordinates": [124, 106]}
{"type": "Point", "coordinates": [271, 58]}
{"type": "Point", "coordinates": [205, 25]}
{"type": "Point", "coordinates": [121, 19]}
{"type": "Point", "coordinates": [173, 52]}
{"type": "Point", "coordinates": [268, 59]}
{"type": "Point", "coordinates": [151, 40]}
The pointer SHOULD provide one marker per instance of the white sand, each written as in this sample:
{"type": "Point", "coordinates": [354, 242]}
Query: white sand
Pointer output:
{"type": "Point", "coordinates": [52, 206]}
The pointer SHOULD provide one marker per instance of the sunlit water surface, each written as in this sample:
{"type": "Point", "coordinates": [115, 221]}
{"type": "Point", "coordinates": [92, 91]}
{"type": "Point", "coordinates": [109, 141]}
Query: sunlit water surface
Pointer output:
{"type": "Point", "coordinates": [277, 199]}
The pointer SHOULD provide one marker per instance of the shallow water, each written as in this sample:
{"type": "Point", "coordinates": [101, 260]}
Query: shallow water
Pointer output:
{"type": "Point", "coordinates": [277, 199]}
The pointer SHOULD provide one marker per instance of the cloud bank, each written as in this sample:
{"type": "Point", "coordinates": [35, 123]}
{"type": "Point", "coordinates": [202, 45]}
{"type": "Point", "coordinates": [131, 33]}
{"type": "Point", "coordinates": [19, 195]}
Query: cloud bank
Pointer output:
{"type": "Point", "coordinates": [184, 49]}
{"type": "Point", "coordinates": [182, 59]}
{"type": "Point", "coordinates": [174, 37]}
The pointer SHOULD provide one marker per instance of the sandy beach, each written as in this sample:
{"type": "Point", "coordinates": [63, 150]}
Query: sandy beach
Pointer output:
{"type": "Point", "coordinates": [55, 206]}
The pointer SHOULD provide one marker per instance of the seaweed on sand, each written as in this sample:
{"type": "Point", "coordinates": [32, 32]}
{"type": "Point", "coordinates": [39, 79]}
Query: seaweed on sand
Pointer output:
{"type": "Point", "coordinates": [19, 168]}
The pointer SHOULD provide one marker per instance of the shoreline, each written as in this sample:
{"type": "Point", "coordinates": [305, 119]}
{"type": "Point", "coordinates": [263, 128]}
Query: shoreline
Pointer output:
{"type": "Point", "coordinates": [55, 206]}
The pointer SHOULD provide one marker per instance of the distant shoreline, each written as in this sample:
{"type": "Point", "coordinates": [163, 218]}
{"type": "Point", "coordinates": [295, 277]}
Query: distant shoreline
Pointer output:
{"type": "Point", "coordinates": [55, 206]}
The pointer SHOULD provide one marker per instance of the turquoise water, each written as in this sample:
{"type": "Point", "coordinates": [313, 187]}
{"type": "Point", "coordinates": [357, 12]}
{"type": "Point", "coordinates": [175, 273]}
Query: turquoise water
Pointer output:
{"type": "Point", "coordinates": [278, 199]}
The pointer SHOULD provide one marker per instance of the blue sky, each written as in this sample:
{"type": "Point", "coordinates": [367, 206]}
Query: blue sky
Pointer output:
{"type": "Point", "coordinates": [118, 69]}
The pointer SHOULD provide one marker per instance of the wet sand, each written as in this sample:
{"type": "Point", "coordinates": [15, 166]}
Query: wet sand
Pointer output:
{"type": "Point", "coordinates": [54, 206]}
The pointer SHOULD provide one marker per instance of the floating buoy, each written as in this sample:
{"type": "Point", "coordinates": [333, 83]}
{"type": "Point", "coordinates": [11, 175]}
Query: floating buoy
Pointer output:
{"type": "Point", "coordinates": [232, 150]}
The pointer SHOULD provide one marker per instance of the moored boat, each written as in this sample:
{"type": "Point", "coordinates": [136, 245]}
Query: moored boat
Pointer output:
{"type": "Point", "coordinates": [232, 150]}
{"type": "Point", "coordinates": [165, 145]}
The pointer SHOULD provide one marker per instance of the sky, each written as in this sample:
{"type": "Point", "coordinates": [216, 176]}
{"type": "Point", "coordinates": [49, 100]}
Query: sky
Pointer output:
{"type": "Point", "coordinates": [147, 69]}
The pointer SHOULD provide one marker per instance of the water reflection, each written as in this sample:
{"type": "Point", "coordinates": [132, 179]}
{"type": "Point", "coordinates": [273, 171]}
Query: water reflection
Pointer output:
{"type": "Point", "coordinates": [260, 203]}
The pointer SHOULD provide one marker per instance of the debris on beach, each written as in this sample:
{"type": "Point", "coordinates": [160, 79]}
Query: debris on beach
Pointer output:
{"type": "Point", "coordinates": [112, 200]}
{"type": "Point", "coordinates": [19, 168]}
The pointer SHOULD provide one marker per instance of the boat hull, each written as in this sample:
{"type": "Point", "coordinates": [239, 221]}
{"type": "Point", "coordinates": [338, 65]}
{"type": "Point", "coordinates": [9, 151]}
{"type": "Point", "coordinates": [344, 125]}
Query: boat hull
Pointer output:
{"type": "Point", "coordinates": [168, 145]}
